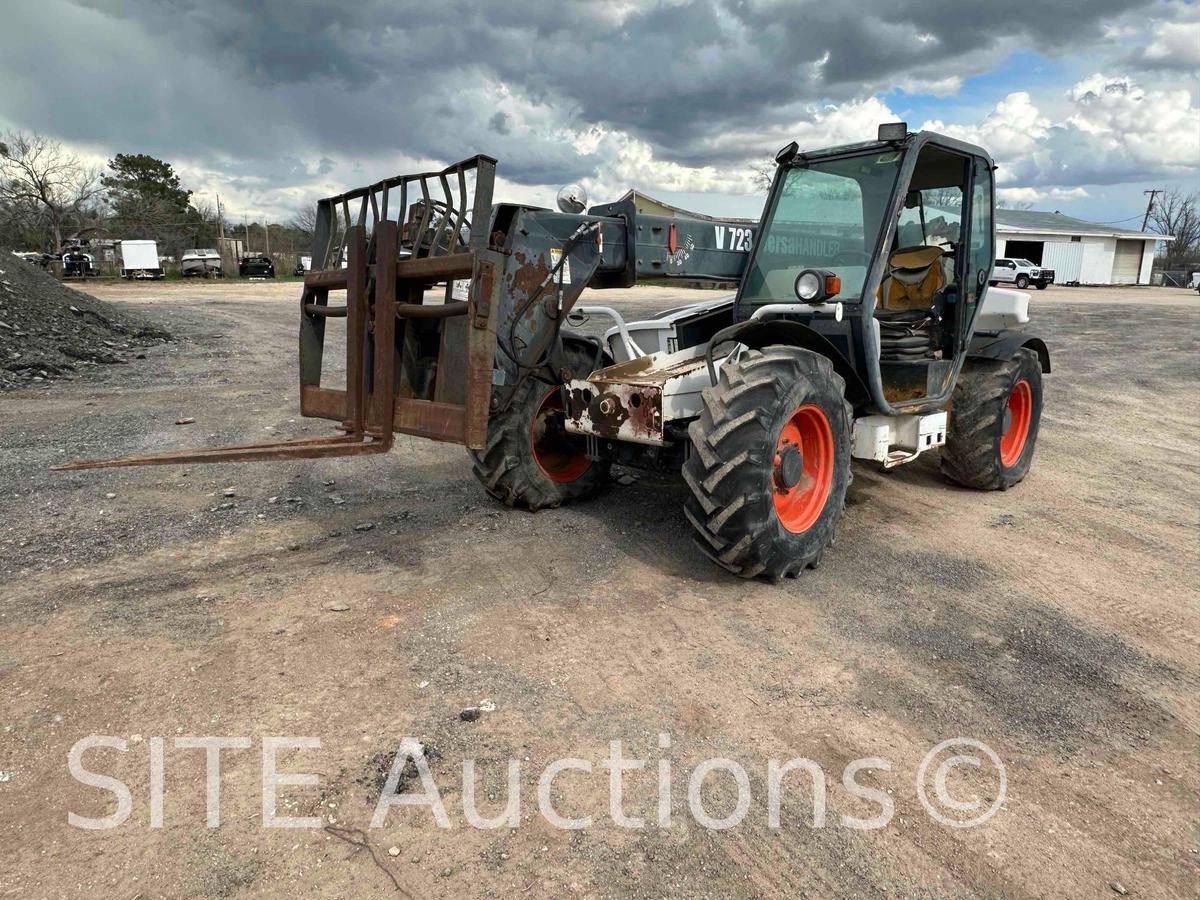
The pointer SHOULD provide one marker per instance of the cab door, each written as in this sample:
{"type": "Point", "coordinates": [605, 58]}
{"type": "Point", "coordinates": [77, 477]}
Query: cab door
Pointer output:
{"type": "Point", "coordinates": [981, 245]}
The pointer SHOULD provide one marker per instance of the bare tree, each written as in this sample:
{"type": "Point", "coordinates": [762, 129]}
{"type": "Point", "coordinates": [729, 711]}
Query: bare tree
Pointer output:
{"type": "Point", "coordinates": [763, 174]}
{"type": "Point", "coordinates": [37, 172]}
{"type": "Point", "coordinates": [305, 219]}
{"type": "Point", "coordinates": [1175, 213]}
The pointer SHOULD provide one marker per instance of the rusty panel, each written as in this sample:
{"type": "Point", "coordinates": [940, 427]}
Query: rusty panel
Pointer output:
{"type": "Point", "coordinates": [486, 285]}
{"type": "Point", "coordinates": [426, 418]}
{"type": "Point", "coordinates": [626, 412]}
{"type": "Point", "coordinates": [322, 403]}
{"type": "Point", "coordinates": [383, 374]}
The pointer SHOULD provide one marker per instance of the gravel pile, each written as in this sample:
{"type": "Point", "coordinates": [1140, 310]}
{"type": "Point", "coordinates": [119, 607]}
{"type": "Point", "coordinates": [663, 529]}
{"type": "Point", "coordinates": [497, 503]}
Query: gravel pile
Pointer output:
{"type": "Point", "coordinates": [50, 331]}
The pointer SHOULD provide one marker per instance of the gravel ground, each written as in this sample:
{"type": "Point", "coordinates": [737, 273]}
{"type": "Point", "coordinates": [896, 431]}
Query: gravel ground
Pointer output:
{"type": "Point", "coordinates": [364, 600]}
{"type": "Point", "coordinates": [49, 331]}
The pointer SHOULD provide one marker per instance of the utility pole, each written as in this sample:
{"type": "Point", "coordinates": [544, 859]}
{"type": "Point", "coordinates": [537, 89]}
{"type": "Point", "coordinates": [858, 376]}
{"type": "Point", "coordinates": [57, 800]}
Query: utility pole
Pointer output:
{"type": "Point", "coordinates": [267, 232]}
{"type": "Point", "coordinates": [246, 226]}
{"type": "Point", "coordinates": [220, 222]}
{"type": "Point", "coordinates": [1149, 207]}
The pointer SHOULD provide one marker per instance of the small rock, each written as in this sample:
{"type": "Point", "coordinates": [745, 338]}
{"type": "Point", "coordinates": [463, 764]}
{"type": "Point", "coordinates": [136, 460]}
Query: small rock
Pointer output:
{"type": "Point", "coordinates": [447, 872]}
{"type": "Point", "coordinates": [335, 500]}
{"type": "Point", "coordinates": [364, 526]}
{"type": "Point", "coordinates": [470, 714]}
{"type": "Point", "coordinates": [423, 684]}
{"type": "Point", "coordinates": [227, 505]}
{"type": "Point", "coordinates": [110, 496]}
{"type": "Point", "coordinates": [1118, 888]}
{"type": "Point", "coordinates": [187, 420]}
{"type": "Point", "coordinates": [487, 706]}
{"type": "Point", "coordinates": [393, 851]}
{"type": "Point", "coordinates": [229, 492]}
{"type": "Point", "coordinates": [337, 606]}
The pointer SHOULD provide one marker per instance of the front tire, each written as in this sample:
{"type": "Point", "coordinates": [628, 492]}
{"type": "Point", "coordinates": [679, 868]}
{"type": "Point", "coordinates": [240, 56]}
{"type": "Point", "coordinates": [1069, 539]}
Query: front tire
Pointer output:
{"type": "Point", "coordinates": [995, 414]}
{"type": "Point", "coordinates": [529, 461]}
{"type": "Point", "coordinates": [770, 463]}
{"type": "Point", "coordinates": [1022, 282]}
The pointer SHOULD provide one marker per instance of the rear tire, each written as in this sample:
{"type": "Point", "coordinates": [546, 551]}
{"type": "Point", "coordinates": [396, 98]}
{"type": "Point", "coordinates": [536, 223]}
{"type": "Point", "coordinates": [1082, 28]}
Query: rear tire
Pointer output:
{"type": "Point", "coordinates": [770, 463]}
{"type": "Point", "coordinates": [528, 460]}
{"type": "Point", "coordinates": [993, 424]}
{"type": "Point", "coordinates": [1022, 282]}
{"type": "Point", "coordinates": [1041, 285]}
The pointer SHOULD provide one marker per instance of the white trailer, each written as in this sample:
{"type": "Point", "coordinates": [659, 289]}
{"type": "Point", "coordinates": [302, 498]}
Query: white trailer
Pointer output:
{"type": "Point", "coordinates": [139, 259]}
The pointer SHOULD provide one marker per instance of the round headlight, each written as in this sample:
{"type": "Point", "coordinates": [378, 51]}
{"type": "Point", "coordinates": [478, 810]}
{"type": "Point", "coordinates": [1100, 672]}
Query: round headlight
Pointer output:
{"type": "Point", "coordinates": [808, 285]}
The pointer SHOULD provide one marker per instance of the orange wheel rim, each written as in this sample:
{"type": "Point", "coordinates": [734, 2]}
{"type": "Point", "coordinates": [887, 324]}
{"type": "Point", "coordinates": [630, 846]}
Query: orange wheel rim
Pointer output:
{"type": "Point", "coordinates": [802, 474]}
{"type": "Point", "coordinates": [554, 453]}
{"type": "Point", "coordinates": [1018, 415]}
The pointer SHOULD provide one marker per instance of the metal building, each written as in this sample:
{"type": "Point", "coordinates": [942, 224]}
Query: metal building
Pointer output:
{"type": "Point", "coordinates": [1078, 251]}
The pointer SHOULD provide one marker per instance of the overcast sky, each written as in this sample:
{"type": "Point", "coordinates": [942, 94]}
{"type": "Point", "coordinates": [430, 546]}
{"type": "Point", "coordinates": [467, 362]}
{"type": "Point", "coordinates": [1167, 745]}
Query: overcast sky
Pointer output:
{"type": "Point", "coordinates": [1084, 103]}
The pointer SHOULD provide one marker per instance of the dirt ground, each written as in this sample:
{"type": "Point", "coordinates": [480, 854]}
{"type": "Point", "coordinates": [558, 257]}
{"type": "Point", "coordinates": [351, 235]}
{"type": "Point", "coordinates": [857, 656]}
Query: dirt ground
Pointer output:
{"type": "Point", "coordinates": [360, 601]}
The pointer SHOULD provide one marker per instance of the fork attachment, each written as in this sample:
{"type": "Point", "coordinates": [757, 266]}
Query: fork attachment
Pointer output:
{"type": "Point", "coordinates": [432, 375]}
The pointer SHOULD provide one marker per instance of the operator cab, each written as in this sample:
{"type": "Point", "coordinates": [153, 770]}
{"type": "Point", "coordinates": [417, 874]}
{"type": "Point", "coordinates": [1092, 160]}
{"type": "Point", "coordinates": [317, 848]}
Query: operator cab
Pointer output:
{"type": "Point", "coordinates": [884, 249]}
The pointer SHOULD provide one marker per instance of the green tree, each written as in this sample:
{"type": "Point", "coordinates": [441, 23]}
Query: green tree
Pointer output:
{"type": "Point", "coordinates": [148, 201]}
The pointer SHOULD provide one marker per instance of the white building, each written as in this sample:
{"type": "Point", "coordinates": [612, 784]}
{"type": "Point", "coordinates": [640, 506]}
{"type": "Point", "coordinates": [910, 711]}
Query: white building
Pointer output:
{"type": "Point", "coordinates": [1077, 251]}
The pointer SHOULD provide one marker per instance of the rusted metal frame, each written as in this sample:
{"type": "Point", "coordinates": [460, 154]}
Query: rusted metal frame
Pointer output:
{"type": "Point", "coordinates": [430, 419]}
{"type": "Point", "coordinates": [462, 203]}
{"type": "Point", "coordinates": [447, 220]}
{"type": "Point", "coordinates": [328, 312]}
{"type": "Point", "coordinates": [481, 213]}
{"type": "Point", "coordinates": [356, 327]}
{"type": "Point", "coordinates": [484, 300]}
{"type": "Point", "coordinates": [383, 380]}
{"type": "Point", "coordinates": [323, 232]}
{"type": "Point", "coordinates": [329, 279]}
{"type": "Point", "coordinates": [425, 209]}
{"type": "Point", "coordinates": [437, 268]}
{"type": "Point", "coordinates": [312, 328]}
{"type": "Point", "coordinates": [473, 162]}
{"type": "Point", "coordinates": [432, 311]}
{"type": "Point", "coordinates": [402, 212]}
{"type": "Point", "coordinates": [314, 448]}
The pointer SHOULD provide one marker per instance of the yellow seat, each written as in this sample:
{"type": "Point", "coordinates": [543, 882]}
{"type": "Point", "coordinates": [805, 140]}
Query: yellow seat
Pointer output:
{"type": "Point", "coordinates": [914, 277]}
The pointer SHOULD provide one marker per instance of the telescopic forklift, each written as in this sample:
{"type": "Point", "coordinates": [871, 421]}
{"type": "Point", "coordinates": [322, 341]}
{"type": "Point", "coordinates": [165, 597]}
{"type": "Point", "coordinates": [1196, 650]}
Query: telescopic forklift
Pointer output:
{"type": "Point", "coordinates": [863, 326]}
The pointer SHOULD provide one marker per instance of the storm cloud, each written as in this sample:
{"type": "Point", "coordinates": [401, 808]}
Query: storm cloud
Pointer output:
{"type": "Point", "coordinates": [297, 97]}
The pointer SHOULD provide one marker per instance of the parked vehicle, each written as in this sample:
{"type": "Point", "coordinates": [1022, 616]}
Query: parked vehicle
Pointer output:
{"type": "Point", "coordinates": [1022, 273]}
{"type": "Point", "coordinates": [201, 264]}
{"type": "Point", "coordinates": [303, 264]}
{"type": "Point", "coordinates": [256, 265]}
{"type": "Point", "coordinates": [139, 259]}
{"type": "Point", "coordinates": [77, 264]}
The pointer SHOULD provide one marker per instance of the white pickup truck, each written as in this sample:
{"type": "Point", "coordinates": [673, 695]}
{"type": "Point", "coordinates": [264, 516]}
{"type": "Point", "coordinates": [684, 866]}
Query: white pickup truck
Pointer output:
{"type": "Point", "coordinates": [1022, 273]}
